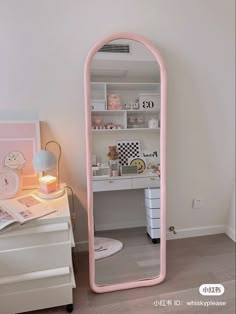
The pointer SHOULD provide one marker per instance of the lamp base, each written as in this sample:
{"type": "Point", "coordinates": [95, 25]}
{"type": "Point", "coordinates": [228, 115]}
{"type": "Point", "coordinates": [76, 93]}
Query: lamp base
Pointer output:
{"type": "Point", "coordinates": [52, 195]}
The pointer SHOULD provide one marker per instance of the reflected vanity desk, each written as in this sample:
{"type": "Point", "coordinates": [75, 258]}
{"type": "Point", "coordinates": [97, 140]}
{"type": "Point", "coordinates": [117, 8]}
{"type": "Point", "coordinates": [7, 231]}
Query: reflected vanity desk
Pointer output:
{"type": "Point", "coordinates": [151, 185]}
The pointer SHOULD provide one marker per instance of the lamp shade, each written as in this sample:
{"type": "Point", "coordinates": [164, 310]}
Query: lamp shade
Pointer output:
{"type": "Point", "coordinates": [44, 160]}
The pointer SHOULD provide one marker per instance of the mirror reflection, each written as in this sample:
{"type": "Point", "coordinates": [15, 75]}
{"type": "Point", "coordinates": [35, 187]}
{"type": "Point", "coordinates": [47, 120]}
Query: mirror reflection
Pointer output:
{"type": "Point", "coordinates": [125, 118]}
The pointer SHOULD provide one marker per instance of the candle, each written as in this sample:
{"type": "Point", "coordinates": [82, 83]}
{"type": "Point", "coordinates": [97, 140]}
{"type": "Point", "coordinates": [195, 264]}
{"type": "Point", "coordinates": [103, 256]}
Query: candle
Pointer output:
{"type": "Point", "coordinates": [48, 184]}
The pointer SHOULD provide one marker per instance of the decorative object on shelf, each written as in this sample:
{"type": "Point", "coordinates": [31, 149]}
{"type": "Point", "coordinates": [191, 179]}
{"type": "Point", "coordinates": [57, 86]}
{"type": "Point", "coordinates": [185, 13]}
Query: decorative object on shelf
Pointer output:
{"type": "Point", "coordinates": [98, 105]}
{"type": "Point", "coordinates": [19, 141]}
{"type": "Point", "coordinates": [101, 170]}
{"type": "Point", "coordinates": [98, 125]}
{"type": "Point", "coordinates": [135, 122]}
{"type": "Point", "coordinates": [153, 123]}
{"type": "Point", "coordinates": [9, 183]}
{"type": "Point", "coordinates": [128, 149]}
{"type": "Point", "coordinates": [113, 154]}
{"type": "Point", "coordinates": [152, 163]}
{"type": "Point", "coordinates": [45, 161]}
{"type": "Point", "coordinates": [113, 102]}
{"type": "Point", "coordinates": [114, 168]}
{"type": "Point", "coordinates": [127, 106]}
{"type": "Point", "coordinates": [140, 163]}
{"type": "Point", "coordinates": [128, 170]}
{"type": "Point", "coordinates": [152, 156]}
{"type": "Point", "coordinates": [113, 161]}
{"type": "Point", "coordinates": [149, 102]}
{"type": "Point", "coordinates": [134, 105]}
{"type": "Point", "coordinates": [131, 119]}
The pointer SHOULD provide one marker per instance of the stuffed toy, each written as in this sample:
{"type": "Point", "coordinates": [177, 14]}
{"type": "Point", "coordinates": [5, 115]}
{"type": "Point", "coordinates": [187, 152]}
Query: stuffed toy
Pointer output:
{"type": "Point", "coordinates": [112, 154]}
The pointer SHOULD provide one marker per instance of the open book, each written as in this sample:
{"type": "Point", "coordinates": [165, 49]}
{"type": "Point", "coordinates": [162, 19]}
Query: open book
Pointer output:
{"type": "Point", "coordinates": [21, 210]}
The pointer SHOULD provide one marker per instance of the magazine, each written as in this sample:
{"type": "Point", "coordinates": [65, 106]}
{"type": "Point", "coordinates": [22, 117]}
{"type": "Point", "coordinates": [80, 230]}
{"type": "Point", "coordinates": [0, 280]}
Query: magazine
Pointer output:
{"type": "Point", "coordinates": [23, 209]}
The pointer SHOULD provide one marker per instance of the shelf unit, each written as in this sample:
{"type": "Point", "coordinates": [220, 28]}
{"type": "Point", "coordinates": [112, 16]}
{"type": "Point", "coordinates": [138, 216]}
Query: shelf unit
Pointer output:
{"type": "Point", "coordinates": [126, 119]}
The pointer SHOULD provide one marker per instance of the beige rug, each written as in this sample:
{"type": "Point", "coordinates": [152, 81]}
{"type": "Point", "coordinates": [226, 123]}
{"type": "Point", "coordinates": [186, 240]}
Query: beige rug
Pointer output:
{"type": "Point", "coordinates": [104, 247]}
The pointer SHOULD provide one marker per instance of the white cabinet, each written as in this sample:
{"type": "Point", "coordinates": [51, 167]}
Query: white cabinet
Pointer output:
{"type": "Point", "coordinates": [36, 263]}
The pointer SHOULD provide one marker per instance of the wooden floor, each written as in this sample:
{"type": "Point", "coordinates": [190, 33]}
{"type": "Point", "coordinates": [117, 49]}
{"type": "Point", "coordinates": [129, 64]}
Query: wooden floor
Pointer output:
{"type": "Point", "coordinates": [139, 258]}
{"type": "Point", "coordinates": [190, 263]}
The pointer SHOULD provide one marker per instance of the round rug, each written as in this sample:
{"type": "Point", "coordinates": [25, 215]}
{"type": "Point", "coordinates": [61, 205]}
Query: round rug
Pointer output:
{"type": "Point", "coordinates": [104, 247]}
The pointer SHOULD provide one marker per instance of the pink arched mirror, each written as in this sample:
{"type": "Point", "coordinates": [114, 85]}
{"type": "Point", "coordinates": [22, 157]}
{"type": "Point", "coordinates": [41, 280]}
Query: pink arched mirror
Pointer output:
{"type": "Point", "coordinates": [125, 100]}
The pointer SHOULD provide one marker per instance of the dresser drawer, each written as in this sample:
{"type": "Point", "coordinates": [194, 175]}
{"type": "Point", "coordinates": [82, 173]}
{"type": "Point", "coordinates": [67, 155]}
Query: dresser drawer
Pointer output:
{"type": "Point", "coordinates": [36, 299]}
{"type": "Point", "coordinates": [152, 202]}
{"type": "Point", "coordinates": [111, 185]}
{"type": "Point", "coordinates": [27, 236]}
{"type": "Point", "coordinates": [153, 222]}
{"type": "Point", "coordinates": [154, 233]}
{"type": "Point", "coordinates": [141, 183]}
{"type": "Point", "coordinates": [35, 280]}
{"type": "Point", "coordinates": [153, 212]}
{"type": "Point", "coordinates": [30, 259]}
{"type": "Point", "coordinates": [153, 193]}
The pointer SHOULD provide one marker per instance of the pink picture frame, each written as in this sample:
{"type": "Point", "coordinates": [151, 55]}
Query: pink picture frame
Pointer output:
{"type": "Point", "coordinates": [160, 278]}
{"type": "Point", "coordinates": [19, 141]}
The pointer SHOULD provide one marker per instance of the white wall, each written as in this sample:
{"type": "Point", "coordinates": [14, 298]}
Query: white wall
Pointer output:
{"type": "Point", "coordinates": [43, 49]}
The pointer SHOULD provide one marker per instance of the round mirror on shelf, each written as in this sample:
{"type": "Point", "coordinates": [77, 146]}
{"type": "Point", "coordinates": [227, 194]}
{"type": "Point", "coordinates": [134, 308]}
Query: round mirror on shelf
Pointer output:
{"type": "Point", "coordinates": [125, 102]}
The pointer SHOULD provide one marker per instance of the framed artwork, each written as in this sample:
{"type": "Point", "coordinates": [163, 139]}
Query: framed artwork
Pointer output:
{"type": "Point", "coordinates": [128, 149]}
{"type": "Point", "coordinates": [19, 141]}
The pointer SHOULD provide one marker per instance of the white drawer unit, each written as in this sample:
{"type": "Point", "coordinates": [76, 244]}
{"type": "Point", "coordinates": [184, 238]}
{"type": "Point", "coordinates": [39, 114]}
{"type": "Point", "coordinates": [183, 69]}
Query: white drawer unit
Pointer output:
{"type": "Point", "coordinates": [36, 269]}
{"type": "Point", "coordinates": [152, 193]}
{"type": "Point", "coordinates": [153, 211]}
{"type": "Point", "coordinates": [154, 233]}
{"type": "Point", "coordinates": [153, 222]}
{"type": "Point", "coordinates": [152, 202]}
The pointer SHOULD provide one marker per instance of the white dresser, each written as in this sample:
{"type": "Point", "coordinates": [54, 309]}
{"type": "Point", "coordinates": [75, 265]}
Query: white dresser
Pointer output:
{"type": "Point", "coordinates": [36, 263]}
{"type": "Point", "coordinates": [153, 205]}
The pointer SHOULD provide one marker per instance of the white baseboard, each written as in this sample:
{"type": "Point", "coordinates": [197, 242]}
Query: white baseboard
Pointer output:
{"type": "Point", "coordinates": [121, 225]}
{"type": "Point", "coordinates": [230, 232]}
{"type": "Point", "coordinates": [195, 232]}
{"type": "Point", "coordinates": [180, 234]}
{"type": "Point", "coordinates": [81, 246]}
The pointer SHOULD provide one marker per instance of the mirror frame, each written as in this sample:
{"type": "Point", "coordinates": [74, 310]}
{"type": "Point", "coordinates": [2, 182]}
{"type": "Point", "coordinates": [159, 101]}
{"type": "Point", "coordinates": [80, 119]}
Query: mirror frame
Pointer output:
{"type": "Point", "coordinates": [88, 134]}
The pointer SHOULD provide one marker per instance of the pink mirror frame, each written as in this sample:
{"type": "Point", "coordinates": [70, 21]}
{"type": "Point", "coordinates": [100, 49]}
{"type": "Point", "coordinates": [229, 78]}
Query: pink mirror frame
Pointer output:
{"type": "Point", "coordinates": [88, 133]}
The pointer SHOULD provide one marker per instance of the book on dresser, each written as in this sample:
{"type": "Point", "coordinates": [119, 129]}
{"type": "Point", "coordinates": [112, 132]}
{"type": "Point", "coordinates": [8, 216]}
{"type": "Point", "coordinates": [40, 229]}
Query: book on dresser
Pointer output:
{"type": "Point", "coordinates": [21, 210]}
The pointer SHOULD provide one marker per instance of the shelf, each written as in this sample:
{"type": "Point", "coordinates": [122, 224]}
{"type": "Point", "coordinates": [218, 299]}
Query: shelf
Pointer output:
{"type": "Point", "coordinates": [125, 130]}
{"type": "Point", "coordinates": [124, 110]}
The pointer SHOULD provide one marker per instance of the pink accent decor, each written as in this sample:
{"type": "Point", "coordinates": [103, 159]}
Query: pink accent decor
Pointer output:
{"type": "Point", "coordinates": [19, 141]}
{"type": "Point", "coordinates": [113, 102]}
{"type": "Point", "coordinates": [160, 278]}
{"type": "Point", "coordinates": [47, 184]}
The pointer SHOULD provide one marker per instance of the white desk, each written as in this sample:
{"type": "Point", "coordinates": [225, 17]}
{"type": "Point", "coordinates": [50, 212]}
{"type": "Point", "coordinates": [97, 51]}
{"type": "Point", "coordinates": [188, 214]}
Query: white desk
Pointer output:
{"type": "Point", "coordinates": [36, 263]}
{"type": "Point", "coordinates": [139, 181]}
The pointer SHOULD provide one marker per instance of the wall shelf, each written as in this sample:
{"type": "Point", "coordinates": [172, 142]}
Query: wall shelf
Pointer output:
{"type": "Point", "coordinates": [126, 130]}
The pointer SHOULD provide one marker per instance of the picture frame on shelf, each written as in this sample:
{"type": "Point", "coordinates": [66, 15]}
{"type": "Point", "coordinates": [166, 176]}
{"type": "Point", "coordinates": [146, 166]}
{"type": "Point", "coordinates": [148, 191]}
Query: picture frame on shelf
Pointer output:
{"type": "Point", "coordinates": [19, 141]}
{"type": "Point", "coordinates": [149, 102]}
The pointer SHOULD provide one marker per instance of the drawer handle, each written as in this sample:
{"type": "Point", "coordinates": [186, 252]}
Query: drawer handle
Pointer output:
{"type": "Point", "coordinates": [153, 179]}
{"type": "Point", "coordinates": [110, 181]}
